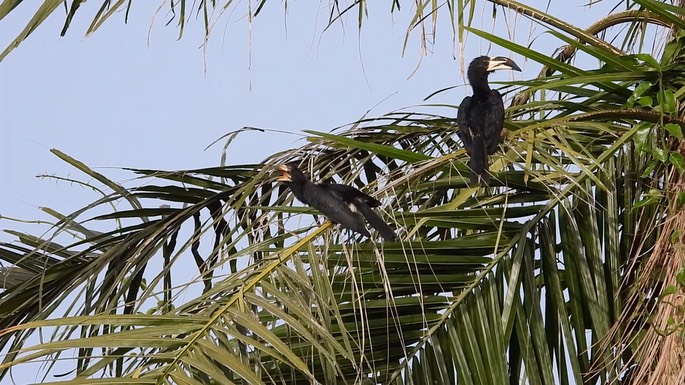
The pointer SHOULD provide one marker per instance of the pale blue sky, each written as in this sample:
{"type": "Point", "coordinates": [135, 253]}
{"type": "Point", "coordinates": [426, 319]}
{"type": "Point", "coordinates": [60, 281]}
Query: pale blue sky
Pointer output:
{"type": "Point", "coordinates": [113, 100]}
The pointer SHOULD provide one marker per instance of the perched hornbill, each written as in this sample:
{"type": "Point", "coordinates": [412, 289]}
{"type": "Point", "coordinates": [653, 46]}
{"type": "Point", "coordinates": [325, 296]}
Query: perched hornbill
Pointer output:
{"type": "Point", "coordinates": [340, 203]}
{"type": "Point", "coordinates": [481, 116]}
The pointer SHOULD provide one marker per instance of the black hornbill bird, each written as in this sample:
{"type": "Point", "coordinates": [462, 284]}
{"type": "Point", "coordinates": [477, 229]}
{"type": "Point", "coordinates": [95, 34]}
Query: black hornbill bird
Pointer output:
{"type": "Point", "coordinates": [481, 116]}
{"type": "Point", "coordinates": [340, 203]}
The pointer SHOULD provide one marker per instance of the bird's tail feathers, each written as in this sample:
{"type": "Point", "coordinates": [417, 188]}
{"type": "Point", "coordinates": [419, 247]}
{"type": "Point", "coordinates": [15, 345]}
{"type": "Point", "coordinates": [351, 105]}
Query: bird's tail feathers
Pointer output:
{"type": "Point", "coordinates": [376, 222]}
{"type": "Point", "coordinates": [478, 163]}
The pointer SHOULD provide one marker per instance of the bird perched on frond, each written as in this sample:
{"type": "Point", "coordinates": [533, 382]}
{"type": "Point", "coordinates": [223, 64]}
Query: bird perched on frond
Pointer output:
{"type": "Point", "coordinates": [339, 203]}
{"type": "Point", "coordinates": [481, 116]}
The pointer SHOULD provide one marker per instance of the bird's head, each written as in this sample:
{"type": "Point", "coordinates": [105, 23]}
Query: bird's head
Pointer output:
{"type": "Point", "coordinates": [290, 173]}
{"type": "Point", "coordinates": [489, 64]}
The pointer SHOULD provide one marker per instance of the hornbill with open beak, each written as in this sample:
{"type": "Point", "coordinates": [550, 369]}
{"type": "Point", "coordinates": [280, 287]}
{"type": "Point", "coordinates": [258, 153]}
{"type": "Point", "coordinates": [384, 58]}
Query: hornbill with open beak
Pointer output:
{"type": "Point", "coordinates": [339, 203]}
{"type": "Point", "coordinates": [481, 116]}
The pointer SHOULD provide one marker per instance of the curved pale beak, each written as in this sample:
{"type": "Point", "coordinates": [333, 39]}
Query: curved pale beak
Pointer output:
{"type": "Point", "coordinates": [285, 173]}
{"type": "Point", "coordinates": [502, 63]}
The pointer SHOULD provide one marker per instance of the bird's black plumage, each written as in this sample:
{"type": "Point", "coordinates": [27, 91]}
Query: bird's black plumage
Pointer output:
{"type": "Point", "coordinates": [362, 203]}
{"type": "Point", "coordinates": [340, 203]}
{"type": "Point", "coordinates": [481, 116]}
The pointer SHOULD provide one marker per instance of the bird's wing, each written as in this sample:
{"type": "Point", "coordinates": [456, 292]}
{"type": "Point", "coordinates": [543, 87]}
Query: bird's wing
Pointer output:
{"type": "Point", "coordinates": [470, 119]}
{"type": "Point", "coordinates": [348, 194]}
{"type": "Point", "coordinates": [363, 204]}
{"type": "Point", "coordinates": [374, 220]}
{"type": "Point", "coordinates": [463, 123]}
{"type": "Point", "coordinates": [333, 208]}
{"type": "Point", "coordinates": [494, 121]}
